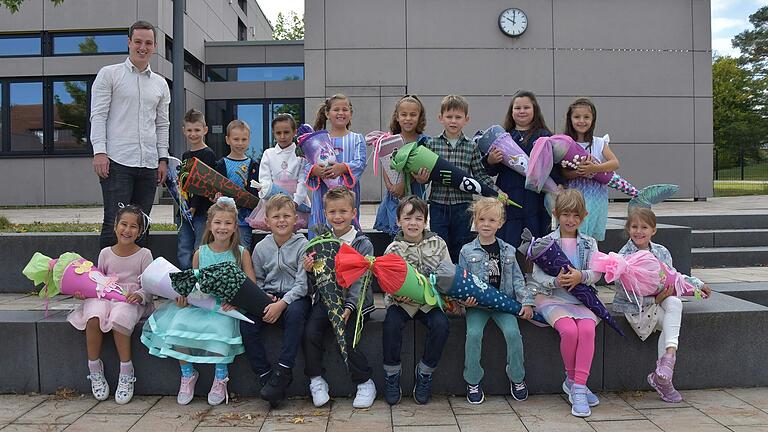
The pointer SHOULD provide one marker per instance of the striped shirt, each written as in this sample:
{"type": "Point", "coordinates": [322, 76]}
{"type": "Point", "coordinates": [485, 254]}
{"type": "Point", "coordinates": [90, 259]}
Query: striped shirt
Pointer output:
{"type": "Point", "coordinates": [464, 155]}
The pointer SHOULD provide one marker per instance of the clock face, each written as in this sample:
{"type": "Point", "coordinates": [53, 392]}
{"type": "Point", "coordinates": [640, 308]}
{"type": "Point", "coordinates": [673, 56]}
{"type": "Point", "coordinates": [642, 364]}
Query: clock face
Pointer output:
{"type": "Point", "coordinates": [513, 22]}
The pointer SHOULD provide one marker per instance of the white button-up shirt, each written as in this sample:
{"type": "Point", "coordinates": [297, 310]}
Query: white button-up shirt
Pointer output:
{"type": "Point", "coordinates": [129, 115]}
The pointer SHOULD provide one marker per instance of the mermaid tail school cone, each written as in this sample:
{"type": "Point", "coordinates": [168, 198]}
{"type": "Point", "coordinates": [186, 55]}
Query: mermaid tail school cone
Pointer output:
{"type": "Point", "coordinates": [69, 274]}
{"type": "Point", "coordinates": [324, 247]}
{"type": "Point", "coordinates": [156, 280]}
{"type": "Point", "coordinates": [225, 281]}
{"type": "Point", "coordinates": [547, 254]}
{"type": "Point", "coordinates": [412, 157]}
{"type": "Point", "coordinates": [200, 179]}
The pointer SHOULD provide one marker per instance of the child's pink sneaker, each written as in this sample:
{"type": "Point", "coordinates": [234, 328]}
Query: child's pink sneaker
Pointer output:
{"type": "Point", "coordinates": [218, 393]}
{"type": "Point", "coordinates": [665, 388]}
{"type": "Point", "coordinates": [665, 366]}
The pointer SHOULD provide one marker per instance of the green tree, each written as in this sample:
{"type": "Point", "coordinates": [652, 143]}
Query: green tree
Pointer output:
{"type": "Point", "coordinates": [753, 43]}
{"type": "Point", "coordinates": [739, 126]}
{"type": "Point", "coordinates": [14, 5]}
{"type": "Point", "coordinates": [289, 27]}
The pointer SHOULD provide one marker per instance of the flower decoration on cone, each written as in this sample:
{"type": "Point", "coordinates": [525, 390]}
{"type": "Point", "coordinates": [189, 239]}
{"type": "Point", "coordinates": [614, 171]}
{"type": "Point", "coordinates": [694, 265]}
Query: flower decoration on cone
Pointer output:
{"type": "Point", "coordinates": [317, 148]}
{"type": "Point", "coordinates": [412, 157]}
{"type": "Point", "coordinates": [547, 254]}
{"type": "Point", "coordinates": [226, 282]}
{"type": "Point", "coordinates": [323, 248]}
{"type": "Point", "coordinates": [69, 274]}
{"type": "Point", "coordinates": [515, 158]}
{"type": "Point", "coordinates": [156, 280]}
{"type": "Point", "coordinates": [642, 274]}
{"type": "Point", "coordinates": [200, 179]}
{"type": "Point", "coordinates": [562, 149]}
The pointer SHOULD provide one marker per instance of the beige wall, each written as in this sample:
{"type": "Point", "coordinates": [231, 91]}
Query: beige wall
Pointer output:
{"type": "Point", "coordinates": [651, 82]}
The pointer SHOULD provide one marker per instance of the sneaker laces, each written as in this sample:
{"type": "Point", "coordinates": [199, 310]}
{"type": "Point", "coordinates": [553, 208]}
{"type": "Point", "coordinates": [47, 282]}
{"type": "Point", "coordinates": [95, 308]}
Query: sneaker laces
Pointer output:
{"type": "Point", "coordinates": [220, 386]}
{"type": "Point", "coordinates": [186, 384]}
{"type": "Point", "coordinates": [474, 388]}
{"type": "Point", "coordinates": [98, 383]}
{"type": "Point", "coordinates": [519, 386]}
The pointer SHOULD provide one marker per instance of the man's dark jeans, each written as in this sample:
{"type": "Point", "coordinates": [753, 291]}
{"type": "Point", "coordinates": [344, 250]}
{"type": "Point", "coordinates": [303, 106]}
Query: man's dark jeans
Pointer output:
{"type": "Point", "coordinates": [127, 185]}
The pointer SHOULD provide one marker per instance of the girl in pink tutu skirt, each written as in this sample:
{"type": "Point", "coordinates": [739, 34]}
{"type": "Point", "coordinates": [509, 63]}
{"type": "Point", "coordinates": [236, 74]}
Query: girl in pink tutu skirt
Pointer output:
{"type": "Point", "coordinates": [125, 260]}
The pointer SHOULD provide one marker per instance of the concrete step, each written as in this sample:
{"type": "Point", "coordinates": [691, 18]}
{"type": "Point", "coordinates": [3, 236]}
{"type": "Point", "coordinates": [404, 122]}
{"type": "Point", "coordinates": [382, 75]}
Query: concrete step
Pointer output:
{"type": "Point", "coordinates": [729, 237]}
{"type": "Point", "coordinates": [729, 256]}
{"type": "Point", "coordinates": [711, 222]}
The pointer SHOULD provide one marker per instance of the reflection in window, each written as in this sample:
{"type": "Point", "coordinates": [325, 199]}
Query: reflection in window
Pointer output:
{"type": "Point", "coordinates": [94, 44]}
{"type": "Point", "coordinates": [20, 46]}
{"type": "Point", "coordinates": [26, 116]}
{"type": "Point", "coordinates": [255, 73]}
{"type": "Point", "coordinates": [70, 115]}
{"type": "Point", "coordinates": [253, 114]}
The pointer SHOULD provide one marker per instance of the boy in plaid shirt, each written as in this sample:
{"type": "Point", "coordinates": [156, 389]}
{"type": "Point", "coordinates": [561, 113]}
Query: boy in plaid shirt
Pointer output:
{"type": "Point", "coordinates": [448, 207]}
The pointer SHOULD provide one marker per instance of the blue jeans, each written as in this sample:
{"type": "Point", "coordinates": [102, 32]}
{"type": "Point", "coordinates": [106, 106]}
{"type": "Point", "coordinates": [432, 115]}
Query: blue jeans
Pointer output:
{"type": "Point", "coordinates": [246, 234]}
{"type": "Point", "coordinates": [453, 223]}
{"type": "Point", "coordinates": [189, 239]}
{"type": "Point", "coordinates": [438, 328]}
{"type": "Point", "coordinates": [127, 185]}
{"type": "Point", "coordinates": [292, 320]}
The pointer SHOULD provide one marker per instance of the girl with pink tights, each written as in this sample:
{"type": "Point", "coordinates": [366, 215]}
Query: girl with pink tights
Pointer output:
{"type": "Point", "coordinates": [565, 313]}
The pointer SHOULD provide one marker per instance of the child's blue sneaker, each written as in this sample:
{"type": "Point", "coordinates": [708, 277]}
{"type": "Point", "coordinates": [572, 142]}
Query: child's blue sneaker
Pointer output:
{"type": "Point", "coordinates": [519, 391]}
{"type": "Point", "coordinates": [392, 390]}
{"type": "Point", "coordinates": [422, 390]}
{"type": "Point", "coordinates": [592, 399]}
{"type": "Point", "coordinates": [580, 407]}
{"type": "Point", "coordinates": [475, 394]}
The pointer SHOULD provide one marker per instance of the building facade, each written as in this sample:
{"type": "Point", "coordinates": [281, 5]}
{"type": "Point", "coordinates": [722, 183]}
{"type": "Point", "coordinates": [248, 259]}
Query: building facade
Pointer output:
{"type": "Point", "coordinates": [646, 65]}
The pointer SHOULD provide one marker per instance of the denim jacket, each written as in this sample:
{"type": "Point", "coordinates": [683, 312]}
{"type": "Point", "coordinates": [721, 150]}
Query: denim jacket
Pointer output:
{"type": "Point", "coordinates": [475, 259]}
{"type": "Point", "coordinates": [622, 303]}
{"type": "Point", "coordinates": [544, 284]}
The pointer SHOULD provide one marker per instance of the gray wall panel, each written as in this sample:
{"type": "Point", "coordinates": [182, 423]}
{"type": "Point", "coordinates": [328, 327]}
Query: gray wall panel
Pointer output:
{"type": "Point", "coordinates": [71, 181]}
{"type": "Point", "coordinates": [284, 53]}
{"type": "Point", "coordinates": [314, 73]}
{"type": "Point", "coordinates": [27, 180]}
{"type": "Point", "coordinates": [235, 54]}
{"type": "Point", "coordinates": [72, 14]}
{"type": "Point", "coordinates": [367, 65]}
{"type": "Point", "coordinates": [703, 119]}
{"type": "Point", "coordinates": [22, 67]}
{"type": "Point", "coordinates": [478, 71]}
{"type": "Point", "coordinates": [648, 24]}
{"type": "Point", "coordinates": [475, 24]}
{"type": "Point", "coordinates": [284, 89]}
{"type": "Point", "coordinates": [702, 25]}
{"type": "Point", "coordinates": [234, 90]}
{"type": "Point", "coordinates": [79, 65]}
{"type": "Point", "coordinates": [703, 165]}
{"type": "Point", "coordinates": [661, 163]}
{"type": "Point", "coordinates": [358, 24]}
{"type": "Point", "coordinates": [640, 119]}
{"type": "Point", "coordinates": [314, 24]}
{"type": "Point", "coordinates": [608, 73]}
{"type": "Point", "coordinates": [702, 73]}
{"type": "Point", "coordinates": [29, 16]}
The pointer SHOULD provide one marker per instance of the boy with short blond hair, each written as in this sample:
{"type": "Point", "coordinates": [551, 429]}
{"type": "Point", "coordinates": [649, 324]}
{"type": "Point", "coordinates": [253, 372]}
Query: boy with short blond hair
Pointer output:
{"type": "Point", "coordinates": [448, 206]}
{"type": "Point", "coordinates": [190, 234]}
{"type": "Point", "coordinates": [277, 263]}
{"type": "Point", "coordinates": [340, 212]}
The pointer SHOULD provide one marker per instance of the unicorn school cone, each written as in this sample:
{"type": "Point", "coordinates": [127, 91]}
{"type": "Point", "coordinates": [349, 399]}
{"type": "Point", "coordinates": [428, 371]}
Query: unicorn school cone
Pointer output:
{"type": "Point", "coordinates": [317, 148]}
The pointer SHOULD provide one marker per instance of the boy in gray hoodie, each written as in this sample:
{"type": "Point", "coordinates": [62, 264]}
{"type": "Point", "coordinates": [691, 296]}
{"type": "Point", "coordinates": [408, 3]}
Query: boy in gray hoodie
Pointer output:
{"type": "Point", "coordinates": [277, 262]}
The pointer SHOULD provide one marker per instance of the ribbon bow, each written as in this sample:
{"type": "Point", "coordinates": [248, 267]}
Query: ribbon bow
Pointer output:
{"type": "Point", "coordinates": [374, 139]}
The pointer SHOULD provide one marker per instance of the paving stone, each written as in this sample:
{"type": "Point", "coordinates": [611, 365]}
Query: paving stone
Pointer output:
{"type": "Point", "coordinates": [227, 429]}
{"type": "Point", "coordinates": [139, 405]}
{"type": "Point", "coordinates": [104, 422]}
{"type": "Point", "coordinates": [304, 407]}
{"type": "Point", "coordinates": [749, 428]}
{"type": "Point", "coordinates": [757, 397]}
{"type": "Point", "coordinates": [34, 428]}
{"type": "Point", "coordinates": [682, 419]}
{"type": "Point", "coordinates": [345, 418]}
{"type": "Point", "coordinates": [613, 407]}
{"type": "Point", "coordinates": [492, 405]}
{"type": "Point", "coordinates": [623, 425]}
{"type": "Point", "coordinates": [246, 413]}
{"type": "Point", "coordinates": [436, 413]}
{"type": "Point", "coordinates": [648, 400]}
{"type": "Point", "coordinates": [15, 406]}
{"type": "Point", "coordinates": [167, 415]}
{"type": "Point", "coordinates": [443, 428]}
{"type": "Point", "coordinates": [484, 423]}
{"type": "Point", "coordinates": [58, 411]}
{"type": "Point", "coordinates": [295, 423]}
{"type": "Point", "coordinates": [726, 409]}
{"type": "Point", "coordinates": [548, 413]}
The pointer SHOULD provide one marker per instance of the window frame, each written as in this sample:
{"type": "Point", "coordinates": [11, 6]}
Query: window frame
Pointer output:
{"type": "Point", "coordinates": [52, 42]}
{"type": "Point", "coordinates": [48, 148]}
{"type": "Point", "coordinates": [259, 65]}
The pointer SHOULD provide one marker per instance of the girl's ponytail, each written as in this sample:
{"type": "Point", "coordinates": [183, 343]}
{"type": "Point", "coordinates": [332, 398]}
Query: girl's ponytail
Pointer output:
{"type": "Point", "coordinates": [320, 117]}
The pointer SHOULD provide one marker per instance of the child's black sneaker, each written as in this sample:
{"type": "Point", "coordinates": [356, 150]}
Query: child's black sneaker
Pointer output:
{"type": "Point", "coordinates": [422, 390]}
{"type": "Point", "coordinates": [519, 391]}
{"type": "Point", "coordinates": [475, 394]}
{"type": "Point", "coordinates": [392, 391]}
{"type": "Point", "coordinates": [274, 390]}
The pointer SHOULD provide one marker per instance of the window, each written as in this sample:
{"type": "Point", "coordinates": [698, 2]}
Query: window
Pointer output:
{"type": "Point", "coordinates": [242, 31]}
{"type": "Point", "coordinates": [90, 43]}
{"type": "Point", "coordinates": [243, 6]}
{"type": "Point", "coordinates": [20, 45]}
{"type": "Point", "coordinates": [45, 116]}
{"type": "Point", "coordinates": [255, 73]}
{"type": "Point", "coordinates": [191, 63]}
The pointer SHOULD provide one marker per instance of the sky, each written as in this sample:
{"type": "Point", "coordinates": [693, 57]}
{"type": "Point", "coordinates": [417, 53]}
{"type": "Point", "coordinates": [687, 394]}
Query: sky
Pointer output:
{"type": "Point", "coordinates": [729, 17]}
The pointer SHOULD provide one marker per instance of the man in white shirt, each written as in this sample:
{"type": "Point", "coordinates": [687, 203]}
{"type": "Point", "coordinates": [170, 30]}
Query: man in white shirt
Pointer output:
{"type": "Point", "coordinates": [129, 129]}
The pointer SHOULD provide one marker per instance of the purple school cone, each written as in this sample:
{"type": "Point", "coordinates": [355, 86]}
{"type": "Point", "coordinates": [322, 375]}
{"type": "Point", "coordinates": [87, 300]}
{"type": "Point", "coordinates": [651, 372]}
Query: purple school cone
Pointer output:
{"type": "Point", "coordinates": [547, 254]}
{"type": "Point", "coordinates": [515, 158]}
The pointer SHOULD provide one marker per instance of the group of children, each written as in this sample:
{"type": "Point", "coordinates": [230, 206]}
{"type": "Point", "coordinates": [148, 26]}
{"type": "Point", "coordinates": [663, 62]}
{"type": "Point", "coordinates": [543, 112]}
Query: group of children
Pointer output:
{"type": "Point", "coordinates": [280, 265]}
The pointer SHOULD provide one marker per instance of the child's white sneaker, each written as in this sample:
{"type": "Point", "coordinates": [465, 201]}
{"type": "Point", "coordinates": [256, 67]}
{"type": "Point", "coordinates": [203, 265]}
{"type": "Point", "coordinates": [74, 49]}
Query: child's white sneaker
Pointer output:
{"type": "Point", "coordinates": [99, 386]}
{"type": "Point", "coordinates": [366, 394]}
{"type": "Point", "coordinates": [124, 392]}
{"type": "Point", "coordinates": [319, 389]}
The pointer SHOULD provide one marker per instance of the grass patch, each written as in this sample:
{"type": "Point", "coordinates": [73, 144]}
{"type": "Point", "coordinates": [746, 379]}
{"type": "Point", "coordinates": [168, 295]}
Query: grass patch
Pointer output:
{"type": "Point", "coordinates": [65, 206]}
{"type": "Point", "coordinates": [6, 226]}
{"type": "Point", "coordinates": [727, 188]}
{"type": "Point", "coordinates": [758, 171]}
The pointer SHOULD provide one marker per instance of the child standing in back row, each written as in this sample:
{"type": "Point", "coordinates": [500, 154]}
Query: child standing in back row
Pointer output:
{"type": "Point", "coordinates": [580, 123]}
{"type": "Point", "coordinates": [280, 165]}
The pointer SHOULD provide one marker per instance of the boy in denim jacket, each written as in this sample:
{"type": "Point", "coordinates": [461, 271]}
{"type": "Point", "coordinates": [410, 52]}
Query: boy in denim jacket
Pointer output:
{"type": "Point", "coordinates": [493, 261]}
